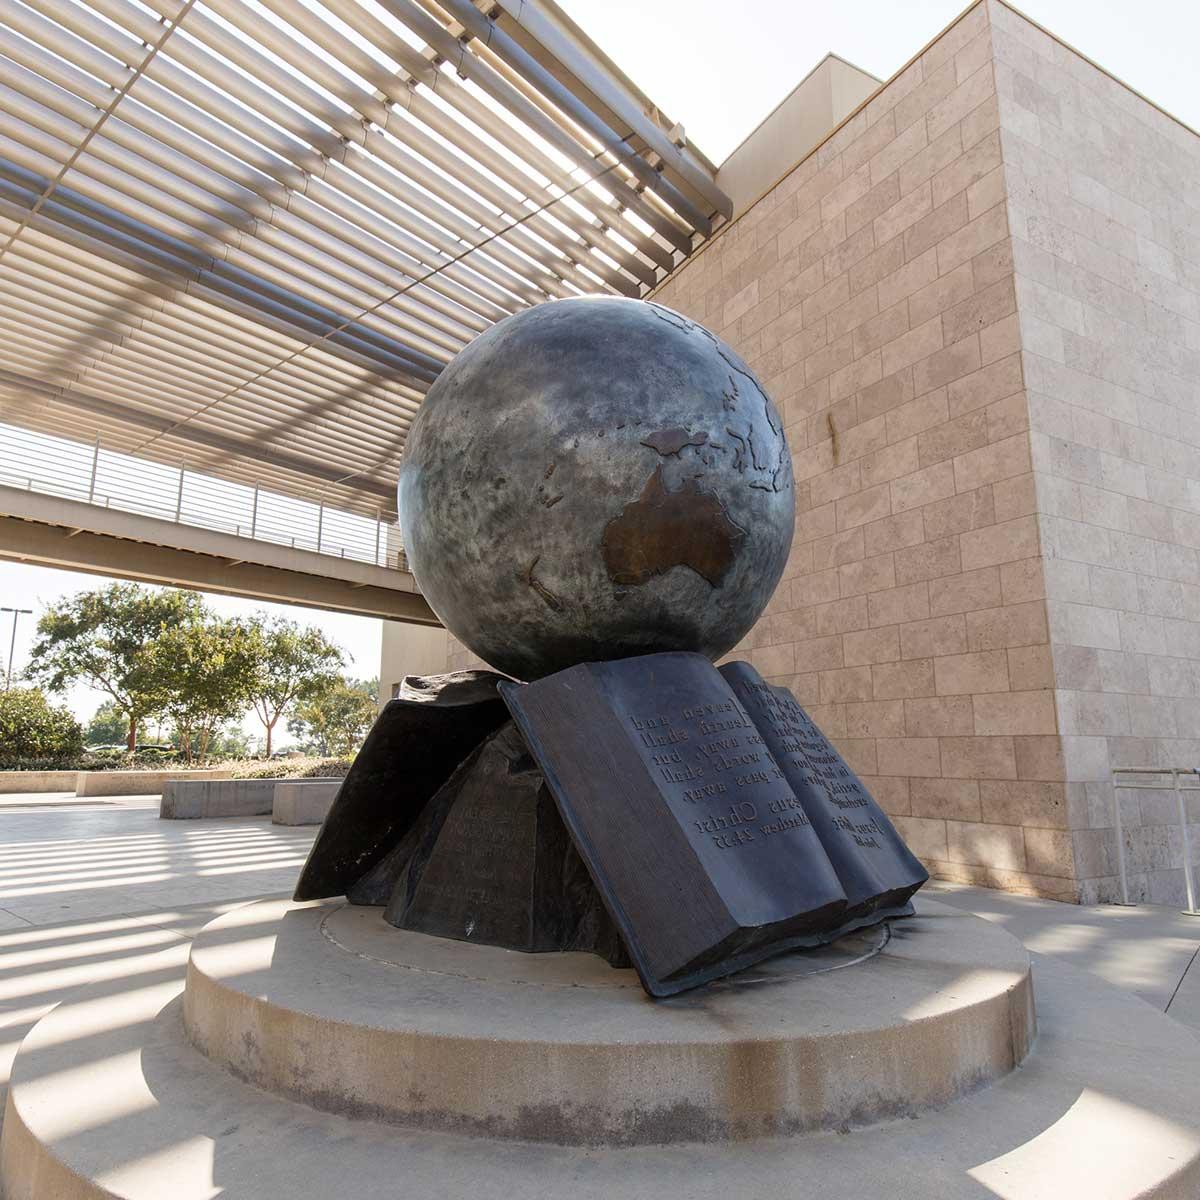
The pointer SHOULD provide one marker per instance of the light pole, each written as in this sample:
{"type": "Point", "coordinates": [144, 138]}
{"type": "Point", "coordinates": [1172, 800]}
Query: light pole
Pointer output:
{"type": "Point", "coordinates": [12, 641]}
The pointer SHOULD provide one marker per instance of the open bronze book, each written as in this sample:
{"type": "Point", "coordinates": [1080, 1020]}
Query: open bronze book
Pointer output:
{"type": "Point", "coordinates": [718, 822]}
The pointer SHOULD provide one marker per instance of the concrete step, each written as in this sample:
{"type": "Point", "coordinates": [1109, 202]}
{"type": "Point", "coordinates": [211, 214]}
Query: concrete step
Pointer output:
{"type": "Point", "coordinates": [110, 1099]}
{"type": "Point", "coordinates": [303, 801]}
{"type": "Point", "coordinates": [117, 1103]}
{"type": "Point", "coordinates": [329, 1004]}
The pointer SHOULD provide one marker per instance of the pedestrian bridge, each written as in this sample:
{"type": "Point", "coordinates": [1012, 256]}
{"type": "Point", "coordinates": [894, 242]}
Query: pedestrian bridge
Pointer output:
{"type": "Point", "coordinates": [86, 509]}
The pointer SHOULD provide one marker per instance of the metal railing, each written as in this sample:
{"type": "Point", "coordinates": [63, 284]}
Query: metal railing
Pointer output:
{"type": "Point", "coordinates": [1118, 774]}
{"type": "Point", "coordinates": [110, 479]}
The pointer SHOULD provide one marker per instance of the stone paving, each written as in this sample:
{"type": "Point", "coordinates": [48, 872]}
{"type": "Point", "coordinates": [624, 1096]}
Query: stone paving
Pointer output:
{"type": "Point", "coordinates": [97, 890]}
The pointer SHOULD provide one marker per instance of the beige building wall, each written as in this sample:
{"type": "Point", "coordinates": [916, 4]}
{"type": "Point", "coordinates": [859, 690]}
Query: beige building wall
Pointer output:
{"type": "Point", "coordinates": [828, 94]}
{"type": "Point", "coordinates": [1103, 208]}
{"type": "Point", "coordinates": [410, 650]}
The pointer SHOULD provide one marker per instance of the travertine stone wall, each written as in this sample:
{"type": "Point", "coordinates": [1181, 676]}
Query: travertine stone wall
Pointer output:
{"type": "Point", "coordinates": [977, 305]}
{"type": "Point", "coordinates": [873, 292]}
{"type": "Point", "coordinates": [1104, 210]}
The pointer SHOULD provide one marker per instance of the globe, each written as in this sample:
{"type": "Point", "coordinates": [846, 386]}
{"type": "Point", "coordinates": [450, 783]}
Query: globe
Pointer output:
{"type": "Point", "coordinates": [592, 479]}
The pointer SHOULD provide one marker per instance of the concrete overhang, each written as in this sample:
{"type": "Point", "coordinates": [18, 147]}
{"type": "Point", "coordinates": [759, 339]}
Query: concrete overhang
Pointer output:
{"type": "Point", "coordinates": [73, 535]}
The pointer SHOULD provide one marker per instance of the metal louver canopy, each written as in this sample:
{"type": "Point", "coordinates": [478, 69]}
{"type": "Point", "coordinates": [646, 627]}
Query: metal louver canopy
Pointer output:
{"type": "Point", "coordinates": [248, 234]}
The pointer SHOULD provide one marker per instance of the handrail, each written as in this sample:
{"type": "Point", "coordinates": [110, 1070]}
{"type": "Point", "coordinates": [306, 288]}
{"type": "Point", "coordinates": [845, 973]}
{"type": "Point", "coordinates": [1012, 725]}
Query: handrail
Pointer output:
{"type": "Point", "coordinates": [1175, 773]}
{"type": "Point", "coordinates": [55, 466]}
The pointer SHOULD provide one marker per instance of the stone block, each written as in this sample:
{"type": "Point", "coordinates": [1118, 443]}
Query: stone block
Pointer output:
{"type": "Point", "coordinates": [986, 845]}
{"type": "Point", "coordinates": [937, 636]}
{"type": "Point", "coordinates": [871, 646]}
{"type": "Point", "coordinates": [1015, 712]}
{"type": "Point", "coordinates": [979, 758]}
{"type": "Point", "coordinates": [303, 801]}
{"type": "Point", "coordinates": [970, 674]}
{"type": "Point", "coordinates": [903, 680]}
{"type": "Point", "coordinates": [939, 716]}
{"type": "Point", "coordinates": [194, 799]}
{"type": "Point", "coordinates": [899, 604]}
{"type": "Point", "coordinates": [951, 799]}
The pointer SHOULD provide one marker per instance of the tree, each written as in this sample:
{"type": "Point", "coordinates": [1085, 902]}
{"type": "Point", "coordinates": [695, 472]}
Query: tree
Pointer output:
{"type": "Point", "coordinates": [294, 663]}
{"type": "Point", "coordinates": [106, 637]}
{"type": "Point", "coordinates": [108, 725]}
{"type": "Point", "coordinates": [230, 741]}
{"type": "Point", "coordinates": [208, 666]}
{"type": "Point", "coordinates": [31, 727]}
{"type": "Point", "coordinates": [335, 719]}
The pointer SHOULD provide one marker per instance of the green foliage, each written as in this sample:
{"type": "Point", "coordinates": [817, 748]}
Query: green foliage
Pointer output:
{"type": "Point", "coordinates": [294, 768]}
{"type": "Point", "coordinates": [162, 653]}
{"type": "Point", "coordinates": [116, 758]}
{"type": "Point", "coordinates": [335, 719]}
{"type": "Point", "coordinates": [108, 726]}
{"type": "Point", "coordinates": [32, 728]}
{"type": "Point", "coordinates": [209, 667]}
{"type": "Point", "coordinates": [107, 638]}
{"type": "Point", "coordinates": [294, 663]}
{"type": "Point", "coordinates": [230, 742]}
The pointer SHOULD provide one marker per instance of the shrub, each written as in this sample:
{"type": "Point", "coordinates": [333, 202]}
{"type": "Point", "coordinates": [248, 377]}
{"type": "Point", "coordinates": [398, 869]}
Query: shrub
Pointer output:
{"type": "Point", "coordinates": [293, 768]}
{"type": "Point", "coordinates": [32, 728]}
{"type": "Point", "coordinates": [42, 764]}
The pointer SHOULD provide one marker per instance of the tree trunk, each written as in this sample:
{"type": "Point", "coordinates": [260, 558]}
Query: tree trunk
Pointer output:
{"type": "Point", "coordinates": [131, 740]}
{"type": "Point", "coordinates": [270, 727]}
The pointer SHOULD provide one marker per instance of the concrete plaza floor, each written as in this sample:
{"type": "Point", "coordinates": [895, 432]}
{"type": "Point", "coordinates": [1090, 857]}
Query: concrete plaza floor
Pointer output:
{"type": "Point", "coordinates": [98, 889]}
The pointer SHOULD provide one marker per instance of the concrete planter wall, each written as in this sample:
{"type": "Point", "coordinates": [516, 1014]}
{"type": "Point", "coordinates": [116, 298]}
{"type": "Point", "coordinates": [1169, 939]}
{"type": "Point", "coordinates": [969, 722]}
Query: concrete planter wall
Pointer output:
{"type": "Point", "coordinates": [224, 797]}
{"type": "Point", "coordinates": [137, 783]}
{"type": "Point", "coordinates": [304, 801]}
{"type": "Point", "coordinates": [102, 783]}
{"type": "Point", "coordinates": [38, 781]}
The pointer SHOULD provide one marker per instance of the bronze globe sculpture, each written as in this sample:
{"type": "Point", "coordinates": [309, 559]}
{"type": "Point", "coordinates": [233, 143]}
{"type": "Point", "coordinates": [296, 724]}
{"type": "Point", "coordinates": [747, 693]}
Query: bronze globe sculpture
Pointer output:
{"type": "Point", "coordinates": [593, 479]}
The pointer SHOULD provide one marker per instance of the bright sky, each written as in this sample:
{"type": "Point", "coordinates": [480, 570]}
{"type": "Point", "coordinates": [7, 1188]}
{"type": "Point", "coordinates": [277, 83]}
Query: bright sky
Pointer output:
{"type": "Point", "coordinates": [720, 67]}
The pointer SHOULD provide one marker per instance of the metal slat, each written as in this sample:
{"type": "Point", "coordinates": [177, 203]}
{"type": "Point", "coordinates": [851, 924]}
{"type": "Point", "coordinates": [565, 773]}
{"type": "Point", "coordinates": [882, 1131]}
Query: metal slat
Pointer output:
{"type": "Point", "coordinates": [274, 238]}
{"type": "Point", "coordinates": [294, 87]}
{"type": "Point", "coordinates": [490, 81]}
{"type": "Point", "coordinates": [123, 227]}
{"type": "Point", "coordinates": [471, 149]}
{"type": "Point", "coordinates": [564, 50]}
{"type": "Point", "coordinates": [256, 207]}
{"type": "Point", "coordinates": [417, 106]}
{"type": "Point", "coordinates": [306, 468]}
{"type": "Point", "coordinates": [507, 48]}
{"type": "Point", "coordinates": [73, 17]}
{"type": "Point", "coordinates": [232, 312]}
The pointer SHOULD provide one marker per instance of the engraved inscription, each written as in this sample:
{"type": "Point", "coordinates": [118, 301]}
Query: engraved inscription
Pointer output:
{"type": "Point", "coordinates": [804, 750]}
{"type": "Point", "coordinates": [713, 766]}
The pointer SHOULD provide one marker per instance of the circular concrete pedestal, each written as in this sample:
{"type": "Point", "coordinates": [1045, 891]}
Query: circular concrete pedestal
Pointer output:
{"type": "Point", "coordinates": [342, 1012]}
{"type": "Point", "coordinates": [110, 1099]}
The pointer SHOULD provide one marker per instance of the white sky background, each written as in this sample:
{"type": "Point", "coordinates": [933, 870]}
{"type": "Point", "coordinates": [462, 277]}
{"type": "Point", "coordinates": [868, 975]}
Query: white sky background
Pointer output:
{"type": "Point", "coordinates": [719, 67]}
